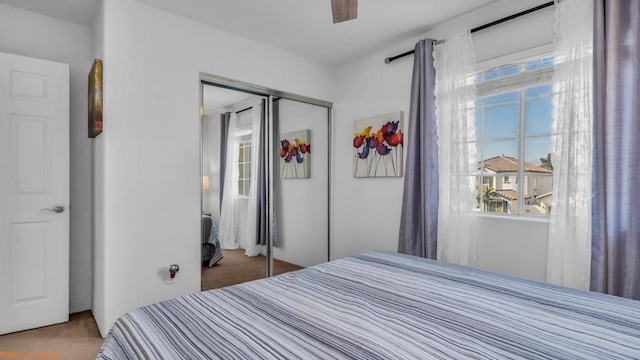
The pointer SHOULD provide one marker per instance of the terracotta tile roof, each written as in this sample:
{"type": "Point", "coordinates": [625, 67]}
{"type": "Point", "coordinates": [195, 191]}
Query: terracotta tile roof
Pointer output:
{"type": "Point", "coordinates": [509, 194]}
{"type": "Point", "coordinates": [503, 163]}
{"type": "Point", "coordinates": [544, 195]}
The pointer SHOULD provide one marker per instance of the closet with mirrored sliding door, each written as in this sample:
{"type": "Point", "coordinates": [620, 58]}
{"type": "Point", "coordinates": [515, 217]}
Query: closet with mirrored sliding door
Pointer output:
{"type": "Point", "coordinates": [266, 182]}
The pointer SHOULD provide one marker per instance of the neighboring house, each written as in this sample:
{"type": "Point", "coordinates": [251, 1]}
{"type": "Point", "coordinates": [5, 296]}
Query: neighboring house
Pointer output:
{"type": "Point", "coordinates": [500, 182]}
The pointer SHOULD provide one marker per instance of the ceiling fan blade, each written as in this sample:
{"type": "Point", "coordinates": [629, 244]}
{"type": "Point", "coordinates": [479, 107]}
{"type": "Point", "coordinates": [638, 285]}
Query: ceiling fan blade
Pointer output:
{"type": "Point", "coordinates": [344, 10]}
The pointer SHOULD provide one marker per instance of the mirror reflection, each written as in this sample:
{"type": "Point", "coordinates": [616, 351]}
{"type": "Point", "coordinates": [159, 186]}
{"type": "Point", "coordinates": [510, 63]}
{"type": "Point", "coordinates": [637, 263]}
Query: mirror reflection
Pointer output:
{"type": "Point", "coordinates": [243, 197]}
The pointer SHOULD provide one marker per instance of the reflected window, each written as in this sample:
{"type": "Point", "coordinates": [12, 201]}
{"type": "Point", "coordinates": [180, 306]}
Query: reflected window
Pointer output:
{"type": "Point", "coordinates": [244, 167]}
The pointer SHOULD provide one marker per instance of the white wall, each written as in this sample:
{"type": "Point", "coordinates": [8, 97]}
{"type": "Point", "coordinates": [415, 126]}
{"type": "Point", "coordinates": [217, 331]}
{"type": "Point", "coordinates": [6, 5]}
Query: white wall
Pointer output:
{"type": "Point", "coordinates": [150, 145]}
{"type": "Point", "coordinates": [366, 212]}
{"type": "Point", "coordinates": [34, 35]}
{"type": "Point", "coordinates": [302, 203]}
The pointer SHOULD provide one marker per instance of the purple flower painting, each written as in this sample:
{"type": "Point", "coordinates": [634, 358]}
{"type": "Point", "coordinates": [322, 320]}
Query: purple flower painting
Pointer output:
{"type": "Point", "coordinates": [377, 146]}
{"type": "Point", "coordinates": [295, 154]}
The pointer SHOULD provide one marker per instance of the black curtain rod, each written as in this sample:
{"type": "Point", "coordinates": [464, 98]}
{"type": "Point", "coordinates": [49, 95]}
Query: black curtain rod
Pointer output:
{"type": "Point", "coordinates": [482, 27]}
{"type": "Point", "coordinates": [249, 108]}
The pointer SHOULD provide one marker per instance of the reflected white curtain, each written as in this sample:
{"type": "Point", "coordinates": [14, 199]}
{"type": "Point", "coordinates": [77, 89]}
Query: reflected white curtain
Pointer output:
{"type": "Point", "coordinates": [454, 60]}
{"type": "Point", "coordinates": [228, 229]}
{"type": "Point", "coordinates": [569, 249]}
{"type": "Point", "coordinates": [253, 248]}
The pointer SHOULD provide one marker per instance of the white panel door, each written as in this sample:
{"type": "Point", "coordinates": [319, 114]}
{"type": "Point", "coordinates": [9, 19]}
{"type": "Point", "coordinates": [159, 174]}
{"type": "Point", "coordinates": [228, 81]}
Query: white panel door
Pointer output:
{"type": "Point", "coordinates": [34, 176]}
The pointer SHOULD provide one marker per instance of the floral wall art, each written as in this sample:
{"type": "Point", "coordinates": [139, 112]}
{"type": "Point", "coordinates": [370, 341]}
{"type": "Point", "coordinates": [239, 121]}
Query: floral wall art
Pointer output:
{"type": "Point", "coordinates": [377, 146]}
{"type": "Point", "coordinates": [295, 154]}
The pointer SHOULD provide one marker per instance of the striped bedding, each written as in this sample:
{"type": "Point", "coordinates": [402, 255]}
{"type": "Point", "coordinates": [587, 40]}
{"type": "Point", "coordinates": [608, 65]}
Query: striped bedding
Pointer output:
{"type": "Point", "coordinates": [381, 305]}
{"type": "Point", "coordinates": [211, 250]}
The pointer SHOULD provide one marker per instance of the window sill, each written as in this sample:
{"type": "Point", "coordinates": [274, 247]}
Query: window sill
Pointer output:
{"type": "Point", "coordinates": [510, 217]}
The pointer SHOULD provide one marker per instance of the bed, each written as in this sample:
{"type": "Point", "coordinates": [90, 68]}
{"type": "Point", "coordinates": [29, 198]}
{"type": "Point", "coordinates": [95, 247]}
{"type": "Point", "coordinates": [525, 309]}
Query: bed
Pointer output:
{"type": "Point", "coordinates": [211, 250]}
{"type": "Point", "coordinates": [382, 305]}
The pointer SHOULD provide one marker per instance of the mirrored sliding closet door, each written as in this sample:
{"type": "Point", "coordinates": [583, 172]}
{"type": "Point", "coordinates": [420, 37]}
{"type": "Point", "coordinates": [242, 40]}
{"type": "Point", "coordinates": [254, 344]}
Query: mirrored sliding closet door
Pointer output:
{"type": "Point", "coordinates": [300, 185]}
{"type": "Point", "coordinates": [265, 170]}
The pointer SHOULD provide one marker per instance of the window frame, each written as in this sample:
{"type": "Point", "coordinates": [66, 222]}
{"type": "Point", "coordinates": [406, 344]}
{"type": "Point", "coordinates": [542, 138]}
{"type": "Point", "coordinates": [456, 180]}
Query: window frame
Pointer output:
{"type": "Point", "coordinates": [545, 76]}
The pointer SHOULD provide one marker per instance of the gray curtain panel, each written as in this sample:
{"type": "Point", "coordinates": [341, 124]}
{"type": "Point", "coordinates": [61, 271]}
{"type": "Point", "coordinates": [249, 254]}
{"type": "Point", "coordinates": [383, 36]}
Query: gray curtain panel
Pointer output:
{"type": "Point", "coordinates": [615, 263]}
{"type": "Point", "coordinates": [419, 221]}
{"type": "Point", "coordinates": [224, 131]}
{"type": "Point", "coordinates": [261, 178]}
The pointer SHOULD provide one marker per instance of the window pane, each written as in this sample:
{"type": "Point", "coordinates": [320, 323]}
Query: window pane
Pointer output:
{"type": "Point", "coordinates": [539, 90]}
{"type": "Point", "coordinates": [241, 171]}
{"type": "Point", "coordinates": [247, 170]}
{"type": "Point", "coordinates": [500, 98]}
{"type": "Point", "coordinates": [501, 156]}
{"type": "Point", "coordinates": [539, 194]}
{"type": "Point", "coordinates": [538, 116]}
{"type": "Point", "coordinates": [537, 152]}
{"type": "Point", "coordinates": [538, 64]}
{"type": "Point", "coordinates": [479, 121]}
{"type": "Point", "coordinates": [539, 175]}
{"type": "Point", "coordinates": [491, 74]}
{"type": "Point", "coordinates": [497, 72]}
{"type": "Point", "coordinates": [240, 187]}
{"type": "Point", "coordinates": [501, 121]}
{"type": "Point", "coordinates": [509, 70]}
{"type": "Point", "coordinates": [508, 184]}
{"type": "Point", "coordinates": [490, 197]}
{"type": "Point", "coordinates": [481, 184]}
{"type": "Point", "coordinates": [247, 153]}
{"type": "Point", "coordinates": [247, 183]}
{"type": "Point", "coordinates": [240, 152]}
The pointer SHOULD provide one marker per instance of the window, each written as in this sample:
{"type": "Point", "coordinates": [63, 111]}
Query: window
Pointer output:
{"type": "Point", "coordinates": [513, 111]}
{"type": "Point", "coordinates": [244, 167]}
{"type": "Point", "coordinates": [496, 206]}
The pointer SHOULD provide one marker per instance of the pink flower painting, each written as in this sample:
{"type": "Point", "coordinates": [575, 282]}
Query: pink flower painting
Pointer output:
{"type": "Point", "coordinates": [377, 146]}
{"type": "Point", "coordinates": [295, 154]}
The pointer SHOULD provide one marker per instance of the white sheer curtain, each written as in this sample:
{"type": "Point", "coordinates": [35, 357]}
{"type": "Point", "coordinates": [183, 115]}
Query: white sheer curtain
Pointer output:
{"type": "Point", "coordinates": [569, 251]}
{"type": "Point", "coordinates": [253, 249]}
{"type": "Point", "coordinates": [454, 60]}
{"type": "Point", "coordinates": [228, 229]}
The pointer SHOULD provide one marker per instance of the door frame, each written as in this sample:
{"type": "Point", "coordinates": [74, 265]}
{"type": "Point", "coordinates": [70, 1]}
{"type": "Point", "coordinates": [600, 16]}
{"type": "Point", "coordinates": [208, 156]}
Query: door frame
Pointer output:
{"type": "Point", "coordinates": [231, 84]}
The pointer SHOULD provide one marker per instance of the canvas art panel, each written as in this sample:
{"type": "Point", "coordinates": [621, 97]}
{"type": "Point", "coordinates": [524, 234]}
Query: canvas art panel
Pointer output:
{"type": "Point", "coordinates": [295, 154]}
{"type": "Point", "coordinates": [378, 142]}
{"type": "Point", "coordinates": [95, 99]}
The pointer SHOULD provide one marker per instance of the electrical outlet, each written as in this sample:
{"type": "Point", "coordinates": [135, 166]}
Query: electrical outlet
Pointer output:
{"type": "Point", "coordinates": [171, 281]}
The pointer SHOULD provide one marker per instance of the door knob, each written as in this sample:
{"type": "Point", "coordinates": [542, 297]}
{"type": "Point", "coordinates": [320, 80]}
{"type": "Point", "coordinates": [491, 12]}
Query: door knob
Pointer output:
{"type": "Point", "coordinates": [56, 209]}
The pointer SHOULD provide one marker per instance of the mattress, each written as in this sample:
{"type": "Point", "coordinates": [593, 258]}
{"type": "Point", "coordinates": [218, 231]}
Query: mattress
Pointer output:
{"type": "Point", "coordinates": [382, 305]}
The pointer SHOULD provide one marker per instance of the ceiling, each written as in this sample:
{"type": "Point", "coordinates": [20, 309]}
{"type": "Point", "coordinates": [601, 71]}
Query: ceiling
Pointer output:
{"type": "Point", "coordinates": [216, 99]}
{"type": "Point", "coordinates": [303, 27]}
{"type": "Point", "coordinates": [75, 11]}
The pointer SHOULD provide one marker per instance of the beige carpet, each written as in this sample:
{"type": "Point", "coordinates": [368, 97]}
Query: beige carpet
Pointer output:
{"type": "Point", "coordinates": [236, 268]}
{"type": "Point", "coordinates": [78, 339]}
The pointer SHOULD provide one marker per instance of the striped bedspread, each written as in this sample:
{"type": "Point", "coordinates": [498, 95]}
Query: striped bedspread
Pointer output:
{"type": "Point", "coordinates": [210, 236]}
{"type": "Point", "coordinates": [382, 305]}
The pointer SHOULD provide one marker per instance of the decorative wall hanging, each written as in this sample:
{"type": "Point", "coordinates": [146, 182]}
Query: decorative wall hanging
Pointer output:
{"type": "Point", "coordinates": [377, 146]}
{"type": "Point", "coordinates": [95, 99]}
{"type": "Point", "coordinates": [295, 154]}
